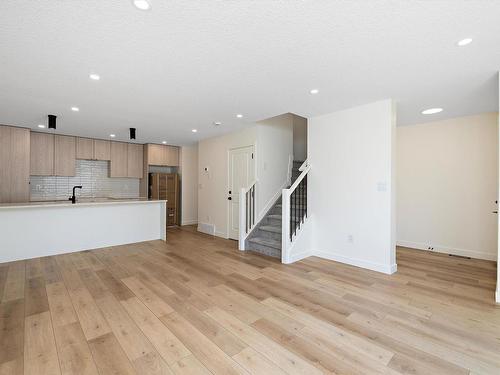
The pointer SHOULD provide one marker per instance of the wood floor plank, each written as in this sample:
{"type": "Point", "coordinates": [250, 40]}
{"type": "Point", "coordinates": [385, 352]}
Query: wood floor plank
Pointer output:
{"type": "Point", "coordinates": [35, 297]}
{"type": "Point", "coordinates": [14, 285]}
{"type": "Point", "coordinates": [165, 342]}
{"type": "Point", "coordinates": [189, 366]}
{"type": "Point", "coordinates": [89, 315]}
{"type": "Point", "coordinates": [109, 356]}
{"type": "Point", "coordinates": [40, 352]}
{"type": "Point", "coordinates": [73, 350]}
{"type": "Point", "coordinates": [11, 331]}
{"type": "Point", "coordinates": [256, 363]}
{"type": "Point", "coordinates": [130, 337]}
{"type": "Point", "coordinates": [207, 352]}
{"type": "Point", "coordinates": [283, 358]}
{"type": "Point", "coordinates": [148, 297]}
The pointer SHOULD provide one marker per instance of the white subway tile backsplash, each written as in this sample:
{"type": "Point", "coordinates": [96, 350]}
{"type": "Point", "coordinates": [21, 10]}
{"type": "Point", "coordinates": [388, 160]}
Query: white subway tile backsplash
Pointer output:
{"type": "Point", "coordinates": [93, 175]}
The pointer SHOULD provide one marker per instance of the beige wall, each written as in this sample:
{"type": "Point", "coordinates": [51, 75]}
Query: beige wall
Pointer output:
{"type": "Point", "coordinates": [447, 184]}
{"type": "Point", "coordinates": [273, 141]}
{"type": "Point", "coordinates": [189, 184]}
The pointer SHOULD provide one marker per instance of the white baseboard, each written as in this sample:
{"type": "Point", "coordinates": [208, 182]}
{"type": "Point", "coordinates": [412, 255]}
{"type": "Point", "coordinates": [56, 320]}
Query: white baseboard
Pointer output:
{"type": "Point", "coordinates": [206, 228]}
{"type": "Point", "coordinates": [189, 222]}
{"type": "Point", "coordinates": [384, 268]}
{"type": "Point", "coordinates": [296, 257]}
{"type": "Point", "coordinates": [497, 296]}
{"type": "Point", "coordinates": [220, 234]}
{"type": "Point", "coordinates": [448, 250]}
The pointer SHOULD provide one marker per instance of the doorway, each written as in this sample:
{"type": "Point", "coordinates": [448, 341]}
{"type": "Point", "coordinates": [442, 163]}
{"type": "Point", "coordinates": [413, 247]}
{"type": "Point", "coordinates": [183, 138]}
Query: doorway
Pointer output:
{"type": "Point", "coordinates": [241, 173]}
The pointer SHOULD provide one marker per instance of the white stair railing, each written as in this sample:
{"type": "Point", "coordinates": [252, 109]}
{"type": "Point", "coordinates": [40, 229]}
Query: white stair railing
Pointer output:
{"type": "Point", "coordinates": [247, 217]}
{"type": "Point", "coordinates": [294, 210]}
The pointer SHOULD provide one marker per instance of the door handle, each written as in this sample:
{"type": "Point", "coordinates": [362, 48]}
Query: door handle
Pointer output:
{"type": "Point", "coordinates": [229, 198]}
{"type": "Point", "coordinates": [495, 212]}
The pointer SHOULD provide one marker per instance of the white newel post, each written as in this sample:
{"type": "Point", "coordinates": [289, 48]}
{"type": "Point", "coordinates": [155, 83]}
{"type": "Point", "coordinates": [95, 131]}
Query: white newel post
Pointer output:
{"type": "Point", "coordinates": [285, 225]}
{"type": "Point", "coordinates": [242, 220]}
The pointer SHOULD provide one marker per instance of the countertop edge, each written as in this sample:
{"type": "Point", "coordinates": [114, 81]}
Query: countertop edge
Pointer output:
{"type": "Point", "coordinates": [76, 205]}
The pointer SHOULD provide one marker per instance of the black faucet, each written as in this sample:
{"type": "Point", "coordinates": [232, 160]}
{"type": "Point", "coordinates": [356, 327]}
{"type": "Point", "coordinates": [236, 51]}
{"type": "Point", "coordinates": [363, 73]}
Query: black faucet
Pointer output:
{"type": "Point", "coordinates": [73, 197]}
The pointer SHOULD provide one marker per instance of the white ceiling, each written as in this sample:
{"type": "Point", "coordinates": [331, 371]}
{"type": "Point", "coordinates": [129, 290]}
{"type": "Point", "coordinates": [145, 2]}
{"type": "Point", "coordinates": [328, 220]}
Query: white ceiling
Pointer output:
{"type": "Point", "coordinates": [185, 64]}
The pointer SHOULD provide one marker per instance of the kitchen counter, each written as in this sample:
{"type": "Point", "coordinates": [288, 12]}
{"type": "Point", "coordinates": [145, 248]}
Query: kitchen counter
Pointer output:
{"type": "Point", "coordinates": [36, 229]}
{"type": "Point", "coordinates": [79, 202]}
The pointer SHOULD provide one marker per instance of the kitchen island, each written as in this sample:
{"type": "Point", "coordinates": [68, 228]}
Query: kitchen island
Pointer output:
{"type": "Point", "coordinates": [36, 229]}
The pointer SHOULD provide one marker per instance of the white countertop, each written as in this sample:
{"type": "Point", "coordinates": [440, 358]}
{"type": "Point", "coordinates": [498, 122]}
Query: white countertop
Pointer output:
{"type": "Point", "coordinates": [79, 203]}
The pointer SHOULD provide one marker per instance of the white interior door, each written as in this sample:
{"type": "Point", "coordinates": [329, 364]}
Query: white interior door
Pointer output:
{"type": "Point", "coordinates": [241, 174]}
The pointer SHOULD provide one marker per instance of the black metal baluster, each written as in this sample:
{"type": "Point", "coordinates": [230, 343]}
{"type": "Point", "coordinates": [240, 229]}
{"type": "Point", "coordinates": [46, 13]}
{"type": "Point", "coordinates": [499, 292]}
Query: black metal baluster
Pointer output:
{"type": "Point", "coordinates": [290, 212]}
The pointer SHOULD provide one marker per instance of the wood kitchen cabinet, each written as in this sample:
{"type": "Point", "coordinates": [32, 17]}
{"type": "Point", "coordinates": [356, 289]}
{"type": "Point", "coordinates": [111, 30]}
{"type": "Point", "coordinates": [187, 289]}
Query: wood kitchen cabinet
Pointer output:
{"type": "Point", "coordinates": [64, 155]}
{"type": "Point", "coordinates": [41, 154]}
{"type": "Point", "coordinates": [119, 160]}
{"type": "Point", "coordinates": [166, 186]}
{"type": "Point", "coordinates": [14, 164]}
{"type": "Point", "coordinates": [135, 154]}
{"type": "Point", "coordinates": [93, 149]}
{"type": "Point", "coordinates": [102, 150]}
{"type": "Point", "coordinates": [84, 148]}
{"type": "Point", "coordinates": [163, 155]}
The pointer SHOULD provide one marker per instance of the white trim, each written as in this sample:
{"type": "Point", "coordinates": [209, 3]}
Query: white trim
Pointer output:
{"type": "Point", "coordinates": [448, 250]}
{"type": "Point", "coordinates": [222, 235]}
{"type": "Point", "coordinates": [384, 268]}
{"type": "Point", "coordinates": [497, 296]}
{"type": "Point", "coordinates": [189, 222]}
{"type": "Point", "coordinates": [296, 257]}
{"type": "Point", "coordinates": [206, 228]}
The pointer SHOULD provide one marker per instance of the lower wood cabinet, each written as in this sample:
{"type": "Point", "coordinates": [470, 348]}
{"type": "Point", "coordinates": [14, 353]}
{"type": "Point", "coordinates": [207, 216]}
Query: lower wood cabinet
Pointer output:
{"type": "Point", "coordinates": [14, 164]}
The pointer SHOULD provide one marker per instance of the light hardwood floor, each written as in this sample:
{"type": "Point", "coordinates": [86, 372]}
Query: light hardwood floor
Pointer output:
{"type": "Point", "coordinates": [196, 305]}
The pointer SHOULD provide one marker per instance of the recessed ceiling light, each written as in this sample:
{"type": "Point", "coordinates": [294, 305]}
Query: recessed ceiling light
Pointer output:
{"type": "Point", "coordinates": [239, 115]}
{"type": "Point", "coordinates": [194, 130]}
{"type": "Point", "coordinates": [164, 142]}
{"type": "Point", "coordinates": [112, 135]}
{"type": "Point", "coordinates": [75, 109]}
{"type": "Point", "coordinates": [217, 123]}
{"type": "Point", "coordinates": [142, 4]}
{"type": "Point", "coordinates": [314, 91]}
{"type": "Point", "coordinates": [464, 42]}
{"type": "Point", "coordinates": [41, 126]}
{"type": "Point", "coordinates": [432, 111]}
{"type": "Point", "coordinates": [95, 77]}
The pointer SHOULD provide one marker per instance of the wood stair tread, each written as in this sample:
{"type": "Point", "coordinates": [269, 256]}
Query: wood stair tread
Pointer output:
{"type": "Point", "coordinates": [266, 242]}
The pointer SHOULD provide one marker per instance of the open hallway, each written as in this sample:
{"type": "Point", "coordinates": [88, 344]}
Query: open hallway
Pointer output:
{"type": "Point", "coordinates": [196, 305]}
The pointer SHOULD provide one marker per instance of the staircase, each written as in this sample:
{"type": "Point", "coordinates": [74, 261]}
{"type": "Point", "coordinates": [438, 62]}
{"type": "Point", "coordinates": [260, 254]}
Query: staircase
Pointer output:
{"type": "Point", "coordinates": [266, 237]}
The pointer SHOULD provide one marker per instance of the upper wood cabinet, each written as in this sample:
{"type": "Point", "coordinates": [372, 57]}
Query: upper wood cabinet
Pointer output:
{"type": "Point", "coordinates": [84, 148]}
{"type": "Point", "coordinates": [135, 154]}
{"type": "Point", "coordinates": [93, 149]}
{"type": "Point", "coordinates": [14, 164]}
{"type": "Point", "coordinates": [119, 160]}
{"type": "Point", "coordinates": [42, 154]}
{"type": "Point", "coordinates": [163, 155]}
{"type": "Point", "coordinates": [102, 149]}
{"type": "Point", "coordinates": [64, 155]}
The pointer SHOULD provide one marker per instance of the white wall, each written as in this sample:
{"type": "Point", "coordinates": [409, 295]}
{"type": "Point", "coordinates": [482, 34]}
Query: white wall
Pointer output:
{"type": "Point", "coordinates": [273, 141]}
{"type": "Point", "coordinates": [351, 185]}
{"type": "Point", "coordinates": [497, 294]}
{"type": "Point", "coordinates": [447, 186]}
{"type": "Point", "coordinates": [299, 138]}
{"type": "Point", "coordinates": [274, 150]}
{"type": "Point", "coordinates": [212, 192]}
{"type": "Point", "coordinates": [189, 184]}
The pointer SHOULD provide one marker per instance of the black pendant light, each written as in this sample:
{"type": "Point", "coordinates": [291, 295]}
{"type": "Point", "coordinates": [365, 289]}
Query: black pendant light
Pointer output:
{"type": "Point", "coordinates": [132, 133]}
{"type": "Point", "coordinates": [52, 121]}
